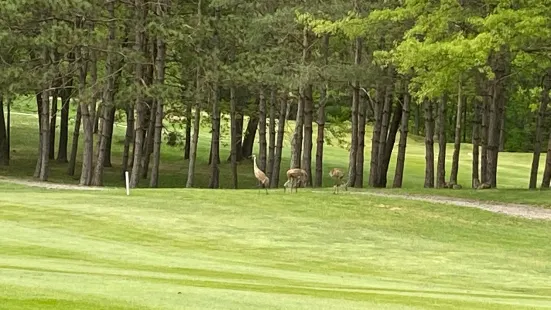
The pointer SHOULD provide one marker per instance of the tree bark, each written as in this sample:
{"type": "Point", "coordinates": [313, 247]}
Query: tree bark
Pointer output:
{"type": "Point", "coordinates": [457, 141]}
{"type": "Point", "coordinates": [353, 154]}
{"type": "Point", "coordinates": [441, 167]}
{"type": "Point", "coordinates": [385, 121]}
{"type": "Point", "coordinates": [362, 109]}
{"type": "Point", "coordinates": [196, 123]}
{"type": "Point", "coordinates": [477, 122]}
{"type": "Point", "coordinates": [4, 148]}
{"type": "Point", "coordinates": [272, 135]}
{"type": "Point", "coordinates": [296, 142]}
{"type": "Point", "coordinates": [318, 182]}
{"type": "Point", "coordinates": [149, 137]}
{"type": "Point", "coordinates": [391, 139]}
{"type": "Point", "coordinates": [214, 181]}
{"type": "Point", "coordinates": [377, 111]}
{"type": "Point", "coordinates": [74, 145]}
{"type": "Point", "coordinates": [188, 131]}
{"type": "Point", "coordinates": [64, 122]}
{"type": "Point", "coordinates": [128, 139]}
{"type": "Point", "coordinates": [109, 133]}
{"type": "Point", "coordinates": [53, 123]}
{"type": "Point", "coordinates": [139, 16]}
{"type": "Point", "coordinates": [308, 133]}
{"type": "Point", "coordinates": [262, 150]}
{"type": "Point", "coordinates": [484, 136]}
{"type": "Point", "coordinates": [45, 129]}
{"type": "Point", "coordinates": [429, 145]}
{"type": "Point", "coordinates": [250, 133]}
{"type": "Point", "coordinates": [233, 139]}
{"type": "Point", "coordinates": [401, 158]}
{"type": "Point", "coordinates": [283, 114]}
{"type": "Point", "coordinates": [39, 157]}
{"type": "Point", "coordinates": [537, 146]}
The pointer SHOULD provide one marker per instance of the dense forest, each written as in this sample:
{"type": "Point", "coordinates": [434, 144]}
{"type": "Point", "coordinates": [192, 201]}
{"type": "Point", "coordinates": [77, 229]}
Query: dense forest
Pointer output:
{"type": "Point", "coordinates": [452, 71]}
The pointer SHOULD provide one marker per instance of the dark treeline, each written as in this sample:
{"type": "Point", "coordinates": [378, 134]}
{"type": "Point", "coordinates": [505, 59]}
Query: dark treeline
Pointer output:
{"type": "Point", "coordinates": [455, 72]}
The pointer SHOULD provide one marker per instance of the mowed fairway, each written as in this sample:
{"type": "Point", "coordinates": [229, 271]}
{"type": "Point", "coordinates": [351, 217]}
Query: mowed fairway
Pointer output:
{"type": "Point", "coordinates": [224, 249]}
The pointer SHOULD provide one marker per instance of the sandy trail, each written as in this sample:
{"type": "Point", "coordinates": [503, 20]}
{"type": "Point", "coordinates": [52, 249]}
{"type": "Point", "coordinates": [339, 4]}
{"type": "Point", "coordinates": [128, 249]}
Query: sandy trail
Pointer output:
{"type": "Point", "coordinates": [520, 210]}
{"type": "Point", "coordinates": [50, 185]}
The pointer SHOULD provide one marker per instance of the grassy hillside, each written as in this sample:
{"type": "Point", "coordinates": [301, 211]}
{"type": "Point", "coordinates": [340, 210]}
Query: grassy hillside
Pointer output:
{"type": "Point", "coordinates": [192, 249]}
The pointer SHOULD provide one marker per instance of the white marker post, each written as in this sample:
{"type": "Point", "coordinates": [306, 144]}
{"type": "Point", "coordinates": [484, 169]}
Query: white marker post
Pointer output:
{"type": "Point", "coordinates": [127, 183]}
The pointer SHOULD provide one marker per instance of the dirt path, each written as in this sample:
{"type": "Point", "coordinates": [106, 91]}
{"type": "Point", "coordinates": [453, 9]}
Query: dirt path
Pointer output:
{"type": "Point", "coordinates": [519, 210]}
{"type": "Point", "coordinates": [50, 185]}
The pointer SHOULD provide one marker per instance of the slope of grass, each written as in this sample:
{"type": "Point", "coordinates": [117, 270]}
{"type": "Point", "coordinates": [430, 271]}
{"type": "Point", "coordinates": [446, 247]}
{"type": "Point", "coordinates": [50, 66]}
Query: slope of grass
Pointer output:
{"type": "Point", "coordinates": [513, 171]}
{"type": "Point", "coordinates": [225, 249]}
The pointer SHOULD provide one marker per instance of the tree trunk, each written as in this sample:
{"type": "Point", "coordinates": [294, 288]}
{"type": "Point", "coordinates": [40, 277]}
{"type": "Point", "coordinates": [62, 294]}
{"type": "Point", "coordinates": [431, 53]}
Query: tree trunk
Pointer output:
{"type": "Point", "coordinates": [502, 132]}
{"type": "Point", "coordinates": [385, 121]}
{"type": "Point", "coordinates": [39, 157]}
{"type": "Point", "coordinates": [377, 111]}
{"type": "Point", "coordinates": [262, 150]}
{"type": "Point", "coordinates": [353, 155]}
{"type": "Point", "coordinates": [64, 122]}
{"type": "Point", "coordinates": [362, 108]}
{"type": "Point", "coordinates": [109, 134]}
{"type": "Point", "coordinates": [214, 181]}
{"type": "Point", "coordinates": [272, 135]}
{"type": "Point", "coordinates": [535, 162]}
{"type": "Point", "coordinates": [477, 122]}
{"type": "Point", "coordinates": [233, 138]}
{"type": "Point", "coordinates": [283, 114]}
{"type": "Point", "coordinates": [500, 64]}
{"type": "Point", "coordinates": [250, 133]}
{"type": "Point", "coordinates": [296, 142]}
{"type": "Point", "coordinates": [160, 60]}
{"type": "Point", "coordinates": [45, 129]}
{"type": "Point", "coordinates": [417, 120]}
{"type": "Point", "coordinates": [139, 16]}
{"type": "Point", "coordinates": [128, 139]}
{"type": "Point", "coordinates": [429, 145]}
{"type": "Point", "coordinates": [188, 131]}
{"type": "Point", "coordinates": [441, 168]}
{"type": "Point", "coordinates": [464, 122]}
{"type": "Point", "coordinates": [4, 148]}
{"type": "Point", "coordinates": [308, 133]}
{"type": "Point", "coordinates": [53, 123]}
{"type": "Point", "coordinates": [321, 118]}
{"type": "Point", "coordinates": [391, 139]}
{"type": "Point", "coordinates": [196, 125]}
{"type": "Point", "coordinates": [401, 158]}
{"type": "Point", "coordinates": [149, 137]}
{"type": "Point", "coordinates": [457, 142]}
{"type": "Point", "coordinates": [74, 145]}
{"type": "Point", "coordinates": [484, 136]}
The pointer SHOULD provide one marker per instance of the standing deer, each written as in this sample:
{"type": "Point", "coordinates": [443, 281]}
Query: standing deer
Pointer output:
{"type": "Point", "coordinates": [294, 176]}
{"type": "Point", "coordinates": [337, 175]}
{"type": "Point", "coordinates": [260, 175]}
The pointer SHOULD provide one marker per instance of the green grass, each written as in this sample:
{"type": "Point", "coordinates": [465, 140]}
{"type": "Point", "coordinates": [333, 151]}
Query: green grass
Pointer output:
{"type": "Point", "coordinates": [199, 249]}
{"type": "Point", "coordinates": [176, 248]}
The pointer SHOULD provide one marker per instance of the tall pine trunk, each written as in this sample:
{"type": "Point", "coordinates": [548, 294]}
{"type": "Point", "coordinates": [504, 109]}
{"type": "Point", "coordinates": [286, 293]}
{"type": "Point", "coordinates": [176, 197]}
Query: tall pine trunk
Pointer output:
{"type": "Point", "coordinates": [477, 122]}
{"type": "Point", "coordinates": [391, 139]}
{"type": "Point", "coordinates": [441, 167]}
{"type": "Point", "coordinates": [377, 111]}
{"type": "Point", "coordinates": [187, 142]}
{"type": "Point", "coordinates": [53, 124]}
{"type": "Point", "coordinates": [362, 109]}
{"type": "Point", "coordinates": [39, 157]}
{"type": "Point", "coordinates": [401, 158]}
{"type": "Point", "coordinates": [263, 148]}
{"type": "Point", "coordinates": [128, 140]}
{"type": "Point", "coordinates": [353, 154]}
{"type": "Point", "coordinates": [535, 162]}
{"type": "Point", "coordinates": [149, 137]}
{"type": "Point", "coordinates": [196, 123]}
{"type": "Point", "coordinates": [385, 122]}
{"type": "Point", "coordinates": [272, 134]}
{"type": "Point", "coordinates": [45, 130]}
{"type": "Point", "coordinates": [296, 142]}
{"type": "Point", "coordinates": [321, 118]}
{"type": "Point", "coordinates": [484, 139]}
{"type": "Point", "coordinates": [308, 133]}
{"type": "Point", "coordinates": [283, 114]}
{"type": "Point", "coordinates": [139, 16]}
{"type": "Point", "coordinates": [457, 141]}
{"type": "Point", "coordinates": [64, 122]}
{"type": "Point", "coordinates": [233, 139]}
{"type": "Point", "coordinates": [4, 148]}
{"type": "Point", "coordinates": [74, 145]}
{"type": "Point", "coordinates": [214, 181]}
{"type": "Point", "coordinates": [429, 144]}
